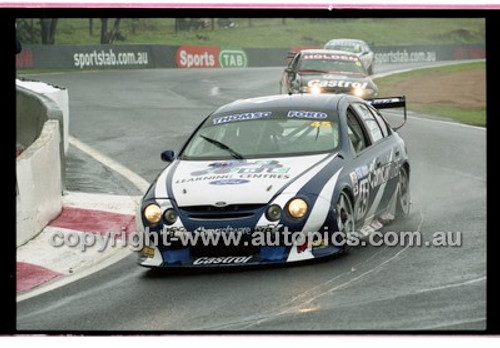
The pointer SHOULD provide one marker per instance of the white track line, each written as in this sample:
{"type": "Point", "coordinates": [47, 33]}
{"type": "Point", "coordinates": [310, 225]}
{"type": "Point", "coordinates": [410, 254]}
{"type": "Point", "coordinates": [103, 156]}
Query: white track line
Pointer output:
{"type": "Point", "coordinates": [135, 179]}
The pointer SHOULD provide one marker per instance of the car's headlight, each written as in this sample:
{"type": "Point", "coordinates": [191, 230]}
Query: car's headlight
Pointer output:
{"type": "Point", "coordinates": [273, 213]}
{"type": "Point", "coordinates": [363, 92]}
{"type": "Point", "coordinates": [311, 89]}
{"type": "Point", "coordinates": [170, 216]}
{"type": "Point", "coordinates": [152, 213]}
{"type": "Point", "coordinates": [359, 92]}
{"type": "Point", "coordinates": [297, 208]}
{"type": "Point", "coordinates": [315, 90]}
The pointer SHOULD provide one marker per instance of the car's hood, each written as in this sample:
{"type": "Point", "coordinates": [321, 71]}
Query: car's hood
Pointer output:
{"type": "Point", "coordinates": [226, 182]}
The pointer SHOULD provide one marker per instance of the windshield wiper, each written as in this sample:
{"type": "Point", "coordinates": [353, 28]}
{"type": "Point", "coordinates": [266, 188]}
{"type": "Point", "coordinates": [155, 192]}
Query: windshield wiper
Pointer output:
{"type": "Point", "coordinates": [223, 146]}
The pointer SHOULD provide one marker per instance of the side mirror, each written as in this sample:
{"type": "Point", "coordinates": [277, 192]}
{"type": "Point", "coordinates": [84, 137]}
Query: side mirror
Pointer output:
{"type": "Point", "coordinates": [168, 156]}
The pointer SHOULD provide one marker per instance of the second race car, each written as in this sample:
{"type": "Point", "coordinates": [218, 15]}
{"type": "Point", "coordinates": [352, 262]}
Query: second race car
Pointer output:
{"type": "Point", "coordinates": [327, 71]}
{"type": "Point", "coordinates": [358, 47]}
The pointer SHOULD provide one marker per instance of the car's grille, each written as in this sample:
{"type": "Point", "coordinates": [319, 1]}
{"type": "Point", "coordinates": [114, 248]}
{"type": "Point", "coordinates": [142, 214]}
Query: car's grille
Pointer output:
{"type": "Point", "coordinates": [210, 212]}
{"type": "Point", "coordinates": [336, 90]}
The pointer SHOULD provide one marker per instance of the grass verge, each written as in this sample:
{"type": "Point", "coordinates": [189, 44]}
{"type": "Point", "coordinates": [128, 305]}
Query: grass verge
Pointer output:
{"type": "Point", "coordinates": [469, 115]}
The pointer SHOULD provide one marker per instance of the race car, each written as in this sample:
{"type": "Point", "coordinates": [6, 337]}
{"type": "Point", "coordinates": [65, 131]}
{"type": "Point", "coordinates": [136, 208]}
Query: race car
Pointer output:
{"type": "Point", "coordinates": [358, 47]}
{"type": "Point", "coordinates": [327, 71]}
{"type": "Point", "coordinates": [276, 179]}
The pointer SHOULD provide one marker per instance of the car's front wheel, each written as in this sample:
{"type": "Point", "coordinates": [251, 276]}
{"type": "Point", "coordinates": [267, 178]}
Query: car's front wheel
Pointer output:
{"type": "Point", "coordinates": [345, 219]}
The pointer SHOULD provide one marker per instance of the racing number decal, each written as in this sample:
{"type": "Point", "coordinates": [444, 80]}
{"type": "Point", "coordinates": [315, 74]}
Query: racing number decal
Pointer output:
{"type": "Point", "coordinates": [323, 124]}
{"type": "Point", "coordinates": [364, 195]}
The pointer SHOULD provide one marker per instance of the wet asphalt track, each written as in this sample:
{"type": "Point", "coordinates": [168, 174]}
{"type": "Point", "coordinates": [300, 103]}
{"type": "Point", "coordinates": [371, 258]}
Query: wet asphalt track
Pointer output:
{"type": "Point", "coordinates": [131, 116]}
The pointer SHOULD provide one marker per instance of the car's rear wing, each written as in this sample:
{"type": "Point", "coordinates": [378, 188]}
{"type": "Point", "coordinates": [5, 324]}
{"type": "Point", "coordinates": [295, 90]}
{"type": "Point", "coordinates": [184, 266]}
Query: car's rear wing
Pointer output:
{"type": "Point", "coordinates": [390, 103]}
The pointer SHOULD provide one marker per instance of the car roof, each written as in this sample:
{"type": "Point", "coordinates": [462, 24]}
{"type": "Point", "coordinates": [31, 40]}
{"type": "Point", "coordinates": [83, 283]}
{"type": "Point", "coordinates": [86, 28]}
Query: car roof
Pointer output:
{"type": "Point", "coordinates": [284, 102]}
{"type": "Point", "coordinates": [346, 40]}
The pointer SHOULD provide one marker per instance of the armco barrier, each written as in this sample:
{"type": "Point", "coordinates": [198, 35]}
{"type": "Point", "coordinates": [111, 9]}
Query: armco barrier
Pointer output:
{"type": "Point", "coordinates": [38, 183]}
{"type": "Point", "coordinates": [96, 57]}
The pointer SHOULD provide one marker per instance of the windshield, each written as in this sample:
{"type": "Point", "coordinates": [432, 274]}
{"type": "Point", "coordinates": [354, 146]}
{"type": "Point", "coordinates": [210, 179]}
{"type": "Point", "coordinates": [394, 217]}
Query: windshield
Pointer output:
{"type": "Point", "coordinates": [277, 137]}
{"type": "Point", "coordinates": [332, 65]}
{"type": "Point", "coordinates": [353, 48]}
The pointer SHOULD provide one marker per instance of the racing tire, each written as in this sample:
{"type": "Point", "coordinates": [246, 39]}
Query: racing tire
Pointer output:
{"type": "Point", "coordinates": [345, 217]}
{"type": "Point", "coordinates": [370, 70]}
{"type": "Point", "coordinates": [403, 202]}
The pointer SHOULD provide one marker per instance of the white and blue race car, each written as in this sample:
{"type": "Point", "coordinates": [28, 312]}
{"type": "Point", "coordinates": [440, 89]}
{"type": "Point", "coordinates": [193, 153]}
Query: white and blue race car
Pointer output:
{"type": "Point", "coordinates": [276, 179]}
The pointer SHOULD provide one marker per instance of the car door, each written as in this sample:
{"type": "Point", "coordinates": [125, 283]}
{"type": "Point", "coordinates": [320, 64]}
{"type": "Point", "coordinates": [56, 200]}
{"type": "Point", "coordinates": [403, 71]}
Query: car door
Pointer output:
{"type": "Point", "coordinates": [373, 172]}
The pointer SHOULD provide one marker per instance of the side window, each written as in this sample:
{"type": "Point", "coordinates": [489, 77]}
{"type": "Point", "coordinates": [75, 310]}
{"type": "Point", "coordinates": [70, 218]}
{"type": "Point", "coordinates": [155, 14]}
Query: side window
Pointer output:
{"type": "Point", "coordinates": [355, 131]}
{"type": "Point", "coordinates": [381, 122]}
{"type": "Point", "coordinates": [368, 119]}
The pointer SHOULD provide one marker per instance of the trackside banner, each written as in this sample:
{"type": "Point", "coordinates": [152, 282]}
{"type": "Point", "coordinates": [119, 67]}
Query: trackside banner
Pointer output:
{"type": "Point", "coordinates": [419, 54]}
{"type": "Point", "coordinates": [94, 57]}
{"type": "Point", "coordinates": [90, 57]}
{"type": "Point", "coordinates": [210, 57]}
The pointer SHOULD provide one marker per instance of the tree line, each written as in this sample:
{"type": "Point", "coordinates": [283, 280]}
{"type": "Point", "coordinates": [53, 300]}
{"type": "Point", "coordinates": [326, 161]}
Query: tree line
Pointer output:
{"type": "Point", "coordinates": [43, 30]}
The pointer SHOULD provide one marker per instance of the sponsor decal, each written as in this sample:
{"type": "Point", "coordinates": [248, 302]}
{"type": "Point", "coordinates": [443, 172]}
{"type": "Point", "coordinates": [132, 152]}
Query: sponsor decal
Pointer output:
{"type": "Point", "coordinates": [361, 172]}
{"type": "Point", "coordinates": [371, 177]}
{"type": "Point", "coordinates": [229, 182]}
{"type": "Point", "coordinates": [241, 117]}
{"type": "Point", "coordinates": [197, 57]}
{"type": "Point", "coordinates": [232, 59]}
{"type": "Point", "coordinates": [383, 174]}
{"type": "Point", "coordinates": [226, 230]}
{"type": "Point", "coordinates": [221, 260]}
{"type": "Point", "coordinates": [336, 83]}
{"type": "Point", "coordinates": [307, 114]}
{"type": "Point", "coordinates": [236, 172]}
{"type": "Point", "coordinates": [332, 56]}
{"type": "Point", "coordinates": [385, 101]}
{"type": "Point", "coordinates": [243, 167]}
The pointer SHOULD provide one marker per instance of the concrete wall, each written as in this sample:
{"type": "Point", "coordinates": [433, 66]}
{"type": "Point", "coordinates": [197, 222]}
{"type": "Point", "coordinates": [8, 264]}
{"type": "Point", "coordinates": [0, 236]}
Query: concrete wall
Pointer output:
{"type": "Point", "coordinates": [31, 115]}
{"type": "Point", "coordinates": [38, 181]}
{"type": "Point", "coordinates": [59, 95]}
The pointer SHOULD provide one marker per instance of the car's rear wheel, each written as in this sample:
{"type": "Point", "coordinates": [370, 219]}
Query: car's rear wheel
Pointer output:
{"type": "Point", "coordinates": [403, 203]}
